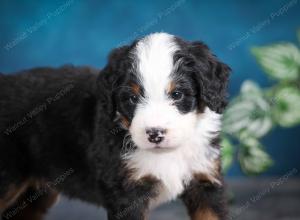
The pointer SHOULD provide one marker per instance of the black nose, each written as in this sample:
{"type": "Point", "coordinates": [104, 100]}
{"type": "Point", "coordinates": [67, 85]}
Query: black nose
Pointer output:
{"type": "Point", "coordinates": [156, 135]}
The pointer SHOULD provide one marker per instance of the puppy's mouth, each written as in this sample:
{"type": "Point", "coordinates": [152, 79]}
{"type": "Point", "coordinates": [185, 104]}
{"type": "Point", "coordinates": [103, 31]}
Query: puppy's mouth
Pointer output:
{"type": "Point", "coordinates": [161, 149]}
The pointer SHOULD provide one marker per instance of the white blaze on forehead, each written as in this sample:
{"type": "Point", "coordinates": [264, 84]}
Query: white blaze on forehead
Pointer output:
{"type": "Point", "coordinates": [155, 63]}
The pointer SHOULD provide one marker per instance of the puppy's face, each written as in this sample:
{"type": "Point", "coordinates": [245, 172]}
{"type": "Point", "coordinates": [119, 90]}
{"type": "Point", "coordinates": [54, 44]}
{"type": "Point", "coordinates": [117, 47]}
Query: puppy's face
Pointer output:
{"type": "Point", "coordinates": [162, 86]}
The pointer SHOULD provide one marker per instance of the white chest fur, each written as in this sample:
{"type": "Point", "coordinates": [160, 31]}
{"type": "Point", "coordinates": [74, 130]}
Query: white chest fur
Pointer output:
{"type": "Point", "coordinates": [176, 168]}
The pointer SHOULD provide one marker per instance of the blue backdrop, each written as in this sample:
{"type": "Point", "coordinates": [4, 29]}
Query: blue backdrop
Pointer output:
{"type": "Point", "coordinates": [53, 33]}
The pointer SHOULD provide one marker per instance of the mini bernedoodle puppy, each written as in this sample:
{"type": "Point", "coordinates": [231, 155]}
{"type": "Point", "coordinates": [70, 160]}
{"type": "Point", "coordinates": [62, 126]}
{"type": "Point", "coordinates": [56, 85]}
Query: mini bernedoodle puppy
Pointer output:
{"type": "Point", "coordinates": [141, 132]}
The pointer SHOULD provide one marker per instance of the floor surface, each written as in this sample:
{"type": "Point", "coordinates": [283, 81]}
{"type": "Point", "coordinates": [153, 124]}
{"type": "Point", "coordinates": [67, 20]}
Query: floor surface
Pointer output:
{"type": "Point", "coordinates": [263, 199]}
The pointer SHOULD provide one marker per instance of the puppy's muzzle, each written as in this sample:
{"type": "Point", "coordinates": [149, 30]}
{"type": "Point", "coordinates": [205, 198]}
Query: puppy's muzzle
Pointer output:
{"type": "Point", "coordinates": [155, 135]}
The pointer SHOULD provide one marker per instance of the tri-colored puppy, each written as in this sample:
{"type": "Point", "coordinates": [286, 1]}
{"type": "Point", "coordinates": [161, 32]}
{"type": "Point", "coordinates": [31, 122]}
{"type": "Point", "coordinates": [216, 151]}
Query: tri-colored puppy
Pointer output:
{"type": "Point", "coordinates": [141, 132]}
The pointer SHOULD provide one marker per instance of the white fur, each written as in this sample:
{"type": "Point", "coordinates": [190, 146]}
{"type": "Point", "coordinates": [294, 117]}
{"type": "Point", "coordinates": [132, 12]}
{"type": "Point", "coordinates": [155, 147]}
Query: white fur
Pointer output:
{"type": "Point", "coordinates": [186, 148]}
{"type": "Point", "coordinates": [154, 66]}
{"type": "Point", "coordinates": [175, 168]}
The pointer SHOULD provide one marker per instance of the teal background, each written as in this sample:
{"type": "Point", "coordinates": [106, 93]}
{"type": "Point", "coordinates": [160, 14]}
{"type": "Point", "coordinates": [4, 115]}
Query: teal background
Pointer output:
{"type": "Point", "coordinates": [83, 33]}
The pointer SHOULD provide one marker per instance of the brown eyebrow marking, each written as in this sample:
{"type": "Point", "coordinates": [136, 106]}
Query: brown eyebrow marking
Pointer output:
{"type": "Point", "coordinates": [125, 122]}
{"type": "Point", "coordinates": [135, 88]}
{"type": "Point", "coordinates": [171, 87]}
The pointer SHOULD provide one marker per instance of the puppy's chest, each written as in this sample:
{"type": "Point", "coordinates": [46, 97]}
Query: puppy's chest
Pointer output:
{"type": "Point", "coordinates": [173, 170]}
{"type": "Point", "coordinates": [174, 176]}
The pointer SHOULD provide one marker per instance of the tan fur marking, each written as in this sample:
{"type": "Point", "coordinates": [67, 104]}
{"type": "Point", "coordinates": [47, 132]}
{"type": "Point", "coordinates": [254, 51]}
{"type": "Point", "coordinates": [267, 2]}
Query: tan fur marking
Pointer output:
{"type": "Point", "coordinates": [12, 195]}
{"type": "Point", "coordinates": [38, 208]}
{"type": "Point", "coordinates": [218, 166]}
{"type": "Point", "coordinates": [135, 88]}
{"type": "Point", "coordinates": [207, 178]}
{"type": "Point", "coordinates": [125, 122]}
{"type": "Point", "coordinates": [171, 87]}
{"type": "Point", "coordinates": [205, 214]}
{"type": "Point", "coordinates": [2, 206]}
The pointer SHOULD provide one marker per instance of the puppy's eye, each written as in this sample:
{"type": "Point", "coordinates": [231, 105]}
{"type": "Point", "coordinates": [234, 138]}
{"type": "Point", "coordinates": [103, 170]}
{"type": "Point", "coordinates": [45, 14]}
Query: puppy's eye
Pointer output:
{"type": "Point", "coordinates": [133, 99]}
{"type": "Point", "coordinates": [176, 95]}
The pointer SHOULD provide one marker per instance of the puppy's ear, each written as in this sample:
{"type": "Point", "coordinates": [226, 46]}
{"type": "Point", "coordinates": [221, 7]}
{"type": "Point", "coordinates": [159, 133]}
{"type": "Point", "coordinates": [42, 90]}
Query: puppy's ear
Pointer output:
{"type": "Point", "coordinates": [211, 76]}
{"type": "Point", "coordinates": [117, 64]}
{"type": "Point", "coordinates": [110, 77]}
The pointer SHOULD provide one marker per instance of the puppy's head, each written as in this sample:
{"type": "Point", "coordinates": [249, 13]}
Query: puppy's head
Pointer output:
{"type": "Point", "coordinates": [160, 86]}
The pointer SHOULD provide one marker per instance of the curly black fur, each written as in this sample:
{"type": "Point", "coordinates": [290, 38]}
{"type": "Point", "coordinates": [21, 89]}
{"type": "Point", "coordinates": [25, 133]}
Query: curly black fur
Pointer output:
{"type": "Point", "coordinates": [212, 75]}
{"type": "Point", "coordinates": [53, 120]}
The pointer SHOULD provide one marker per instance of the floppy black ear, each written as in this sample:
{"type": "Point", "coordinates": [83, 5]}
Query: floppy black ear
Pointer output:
{"type": "Point", "coordinates": [212, 77]}
{"type": "Point", "coordinates": [109, 78]}
{"type": "Point", "coordinates": [118, 62]}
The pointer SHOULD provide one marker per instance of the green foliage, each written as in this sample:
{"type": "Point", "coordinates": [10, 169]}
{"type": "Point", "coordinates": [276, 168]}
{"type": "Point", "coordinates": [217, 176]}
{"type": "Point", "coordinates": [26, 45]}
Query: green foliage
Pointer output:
{"type": "Point", "coordinates": [252, 157]}
{"type": "Point", "coordinates": [255, 111]}
{"type": "Point", "coordinates": [280, 61]}
{"type": "Point", "coordinates": [227, 153]}
{"type": "Point", "coordinates": [249, 112]}
{"type": "Point", "coordinates": [286, 109]}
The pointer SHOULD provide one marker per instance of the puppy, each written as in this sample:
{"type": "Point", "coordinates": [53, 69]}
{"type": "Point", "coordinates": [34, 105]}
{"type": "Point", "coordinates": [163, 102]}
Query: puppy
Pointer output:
{"type": "Point", "coordinates": [139, 133]}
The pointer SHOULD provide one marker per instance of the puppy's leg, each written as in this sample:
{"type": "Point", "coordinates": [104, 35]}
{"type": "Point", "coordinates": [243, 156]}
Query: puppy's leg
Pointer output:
{"type": "Point", "coordinates": [31, 205]}
{"type": "Point", "coordinates": [13, 170]}
{"type": "Point", "coordinates": [10, 193]}
{"type": "Point", "coordinates": [134, 214]}
{"type": "Point", "coordinates": [130, 207]}
{"type": "Point", "coordinates": [205, 200]}
{"type": "Point", "coordinates": [132, 203]}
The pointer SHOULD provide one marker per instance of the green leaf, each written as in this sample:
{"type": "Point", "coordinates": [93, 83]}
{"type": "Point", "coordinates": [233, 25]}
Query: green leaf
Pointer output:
{"type": "Point", "coordinates": [286, 106]}
{"type": "Point", "coordinates": [249, 112]}
{"type": "Point", "coordinates": [227, 153]}
{"type": "Point", "coordinates": [253, 159]}
{"type": "Point", "coordinates": [280, 61]}
{"type": "Point", "coordinates": [249, 87]}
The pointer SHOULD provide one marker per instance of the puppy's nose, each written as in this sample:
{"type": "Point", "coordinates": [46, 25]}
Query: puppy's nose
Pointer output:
{"type": "Point", "coordinates": [156, 135]}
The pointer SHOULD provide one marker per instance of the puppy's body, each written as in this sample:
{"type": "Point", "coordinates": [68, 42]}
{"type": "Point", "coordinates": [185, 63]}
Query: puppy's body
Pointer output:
{"type": "Point", "coordinates": [47, 122]}
{"type": "Point", "coordinates": [166, 94]}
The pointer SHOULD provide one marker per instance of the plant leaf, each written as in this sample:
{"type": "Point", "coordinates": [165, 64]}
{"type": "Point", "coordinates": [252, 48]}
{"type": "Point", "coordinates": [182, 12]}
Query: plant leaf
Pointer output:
{"type": "Point", "coordinates": [248, 112]}
{"type": "Point", "coordinates": [280, 61]}
{"type": "Point", "coordinates": [286, 106]}
{"type": "Point", "coordinates": [250, 87]}
{"type": "Point", "coordinates": [227, 154]}
{"type": "Point", "coordinates": [253, 159]}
